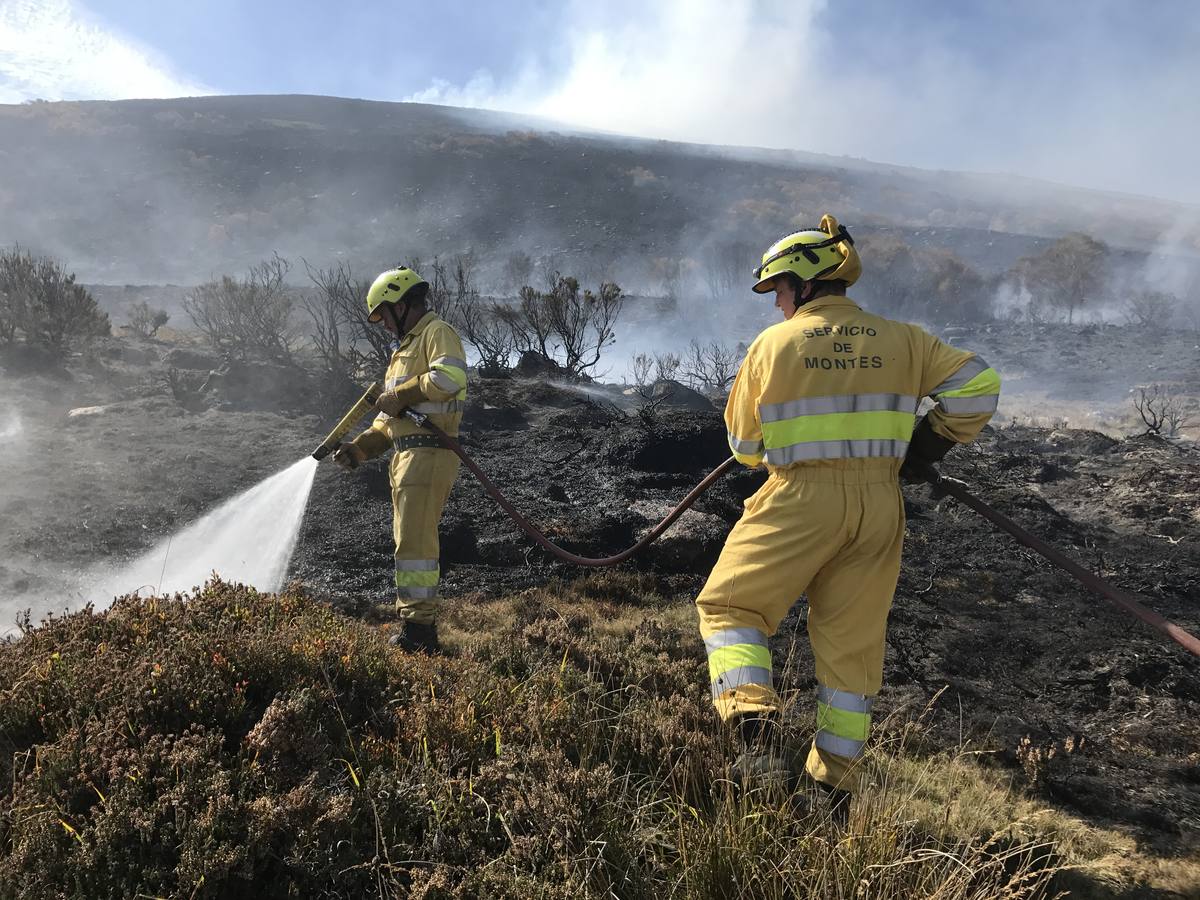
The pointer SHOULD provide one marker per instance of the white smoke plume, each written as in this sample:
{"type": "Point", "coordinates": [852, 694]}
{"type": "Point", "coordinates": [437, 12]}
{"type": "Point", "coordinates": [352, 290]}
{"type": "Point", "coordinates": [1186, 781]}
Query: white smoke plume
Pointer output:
{"type": "Point", "coordinates": [777, 73]}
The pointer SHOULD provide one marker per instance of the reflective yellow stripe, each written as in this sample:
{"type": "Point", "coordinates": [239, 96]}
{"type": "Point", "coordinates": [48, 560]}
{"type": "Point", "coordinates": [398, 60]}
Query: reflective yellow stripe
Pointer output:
{"type": "Point", "coordinates": [454, 373]}
{"type": "Point", "coordinates": [417, 579]}
{"type": "Point", "coordinates": [986, 382]}
{"type": "Point", "coordinates": [748, 453]}
{"type": "Point", "coordinates": [736, 656]}
{"type": "Point", "coordinates": [964, 373]}
{"type": "Point", "coordinates": [745, 448]}
{"type": "Point", "coordinates": [853, 726]}
{"type": "Point", "coordinates": [896, 426]}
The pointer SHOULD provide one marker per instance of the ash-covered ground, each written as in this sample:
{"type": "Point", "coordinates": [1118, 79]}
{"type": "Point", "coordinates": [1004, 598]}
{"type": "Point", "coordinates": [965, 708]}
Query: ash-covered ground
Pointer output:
{"type": "Point", "coordinates": [1096, 713]}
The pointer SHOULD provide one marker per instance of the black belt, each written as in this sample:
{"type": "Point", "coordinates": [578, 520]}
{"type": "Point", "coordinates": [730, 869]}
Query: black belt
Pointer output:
{"type": "Point", "coordinates": [409, 441]}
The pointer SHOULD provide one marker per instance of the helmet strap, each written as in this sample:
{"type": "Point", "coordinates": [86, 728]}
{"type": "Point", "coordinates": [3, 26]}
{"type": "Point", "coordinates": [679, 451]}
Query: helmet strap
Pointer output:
{"type": "Point", "coordinates": [389, 309]}
{"type": "Point", "coordinates": [798, 286]}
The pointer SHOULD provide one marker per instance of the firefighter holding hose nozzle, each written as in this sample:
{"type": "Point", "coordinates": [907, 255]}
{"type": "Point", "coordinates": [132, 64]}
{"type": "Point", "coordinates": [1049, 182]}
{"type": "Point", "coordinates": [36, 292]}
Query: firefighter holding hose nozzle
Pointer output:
{"type": "Point", "coordinates": [427, 374]}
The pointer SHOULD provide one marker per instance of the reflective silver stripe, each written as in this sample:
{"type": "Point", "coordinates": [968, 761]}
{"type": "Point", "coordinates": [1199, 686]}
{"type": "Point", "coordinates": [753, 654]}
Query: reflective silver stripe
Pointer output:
{"type": "Point", "coordinates": [449, 361]}
{"type": "Point", "coordinates": [986, 403]}
{"type": "Point", "coordinates": [782, 456]}
{"type": "Point", "coordinates": [969, 370]}
{"type": "Point", "coordinates": [746, 448]}
{"type": "Point", "coordinates": [450, 406]}
{"type": "Point", "coordinates": [416, 593]}
{"type": "Point", "coordinates": [444, 381]}
{"type": "Point", "coordinates": [844, 403]}
{"type": "Point", "coordinates": [392, 383]}
{"type": "Point", "coordinates": [839, 699]}
{"type": "Point", "coordinates": [416, 565]}
{"type": "Point", "coordinates": [740, 677]}
{"type": "Point", "coordinates": [839, 746]}
{"type": "Point", "coordinates": [731, 636]}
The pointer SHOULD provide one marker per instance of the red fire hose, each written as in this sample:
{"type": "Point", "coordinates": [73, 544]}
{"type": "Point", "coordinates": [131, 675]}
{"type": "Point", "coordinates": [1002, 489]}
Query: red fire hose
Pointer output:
{"type": "Point", "coordinates": [947, 485]}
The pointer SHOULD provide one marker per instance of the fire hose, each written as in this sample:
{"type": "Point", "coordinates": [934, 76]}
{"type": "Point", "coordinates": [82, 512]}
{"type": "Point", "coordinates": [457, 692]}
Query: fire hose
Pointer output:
{"type": "Point", "coordinates": [941, 483]}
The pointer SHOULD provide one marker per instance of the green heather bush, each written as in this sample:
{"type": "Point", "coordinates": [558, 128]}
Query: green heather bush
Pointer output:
{"type": "Point", "coordinates": [233, 744]}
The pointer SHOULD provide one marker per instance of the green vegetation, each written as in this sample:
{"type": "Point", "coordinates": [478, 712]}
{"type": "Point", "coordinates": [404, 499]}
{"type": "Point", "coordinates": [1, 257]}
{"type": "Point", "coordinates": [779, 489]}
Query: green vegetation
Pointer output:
{"type": "Point", "coordinates": [234, 744]}
{"type": "Point", "coordinates": [41, 304]}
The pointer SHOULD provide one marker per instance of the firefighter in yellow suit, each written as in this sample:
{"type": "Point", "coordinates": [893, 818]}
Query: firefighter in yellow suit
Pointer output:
{"type": "Point", "coordinates": [428, 374]}
{"type": "Point", "coordinates": [826, 400]}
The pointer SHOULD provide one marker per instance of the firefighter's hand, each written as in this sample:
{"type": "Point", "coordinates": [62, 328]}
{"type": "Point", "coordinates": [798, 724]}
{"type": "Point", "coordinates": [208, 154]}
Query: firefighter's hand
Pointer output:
{"type": "Point", "coordinates": [918, 471]}
{"type": "Point", "coordinates": [397, 400]}
{"type": "Point", "coordinates": [349, 456]}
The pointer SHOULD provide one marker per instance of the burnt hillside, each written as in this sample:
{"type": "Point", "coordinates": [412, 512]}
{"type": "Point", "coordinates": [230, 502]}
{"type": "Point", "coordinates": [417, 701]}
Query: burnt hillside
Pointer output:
{"type": "Point", "coordinates": [175, 190]}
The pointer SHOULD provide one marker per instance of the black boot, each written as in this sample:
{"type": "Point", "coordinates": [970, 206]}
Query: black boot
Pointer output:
{"type": "Point", "coordinates": [416, 637]}
{"type": "Point", "coordinates": [762, 767]}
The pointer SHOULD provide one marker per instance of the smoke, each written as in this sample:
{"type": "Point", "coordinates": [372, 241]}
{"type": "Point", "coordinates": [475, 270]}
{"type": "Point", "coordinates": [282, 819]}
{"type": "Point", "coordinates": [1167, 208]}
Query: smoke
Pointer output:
{"type": "Point", "coordinates": [1174, 265]}
{"type": "Point", "coordinates": [1025, 88]}
{"type": "Point", "coordinates": [11, 425]}
{"type": "Point", "coordinates": [54, 49]}
{"type": "Point", "coordinates": [691, 70]}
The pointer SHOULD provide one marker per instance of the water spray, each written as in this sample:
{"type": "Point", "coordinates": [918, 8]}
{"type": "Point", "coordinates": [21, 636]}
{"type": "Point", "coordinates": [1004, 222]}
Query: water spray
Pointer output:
{"type": "Point", "coordinates": [365, 405]}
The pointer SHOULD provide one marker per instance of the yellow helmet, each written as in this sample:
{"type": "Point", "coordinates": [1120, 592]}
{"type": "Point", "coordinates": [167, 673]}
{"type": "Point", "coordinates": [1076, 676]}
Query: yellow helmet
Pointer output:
{"type": "Point", "coordinates": [826, 253]}
{"type": "Point", "coordinates": [390, 287]}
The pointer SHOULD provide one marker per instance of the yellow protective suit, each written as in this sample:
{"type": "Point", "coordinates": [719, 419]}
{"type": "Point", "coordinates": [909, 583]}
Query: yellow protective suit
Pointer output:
{"type": "Point", "coordinates": [422, 473]}
{"type": "Point", "coordinates": [827, 402]}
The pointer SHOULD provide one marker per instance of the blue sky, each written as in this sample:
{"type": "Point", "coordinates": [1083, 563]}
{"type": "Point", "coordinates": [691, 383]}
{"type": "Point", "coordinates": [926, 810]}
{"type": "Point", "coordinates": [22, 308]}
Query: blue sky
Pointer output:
{"type": "Point", "coordinates": [1098, 93]}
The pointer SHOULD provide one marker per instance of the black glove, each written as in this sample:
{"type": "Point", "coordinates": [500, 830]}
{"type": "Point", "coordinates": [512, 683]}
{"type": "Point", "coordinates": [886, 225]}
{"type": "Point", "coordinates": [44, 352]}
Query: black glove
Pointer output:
{"type": "Point", "coordinates": [924, 449]}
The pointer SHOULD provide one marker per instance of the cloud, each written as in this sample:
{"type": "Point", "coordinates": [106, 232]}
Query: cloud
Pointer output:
{"type": "Point", "coordinates": [1045, 100]}
{"type": "Point", "coordinates": [55, 50]}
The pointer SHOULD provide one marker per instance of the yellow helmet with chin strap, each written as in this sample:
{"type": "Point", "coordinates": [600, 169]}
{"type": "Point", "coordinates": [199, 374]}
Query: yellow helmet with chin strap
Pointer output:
{"type": "Point", "coordinates": [825, 253]}
{"type": "Point", "coordinates": [391, 287]}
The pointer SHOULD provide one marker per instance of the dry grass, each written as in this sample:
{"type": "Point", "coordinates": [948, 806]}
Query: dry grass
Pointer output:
{"type": "Point", "coordinates": [237, 745]}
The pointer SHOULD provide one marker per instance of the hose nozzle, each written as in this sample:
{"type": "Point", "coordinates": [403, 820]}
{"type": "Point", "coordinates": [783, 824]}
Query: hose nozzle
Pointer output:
{"type": "Point", "coordinates": [364, 405]}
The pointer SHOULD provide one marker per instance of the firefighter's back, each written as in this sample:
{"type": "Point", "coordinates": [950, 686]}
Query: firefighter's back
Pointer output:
{"type": "Point", "coordinates": [839, 387]}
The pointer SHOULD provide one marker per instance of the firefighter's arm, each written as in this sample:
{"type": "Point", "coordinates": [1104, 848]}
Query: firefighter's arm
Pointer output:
{"type": "Point", "coordinates": [374, 441]}
{"type": "Point", "coordinates": [447, 375]}
{"type": "Point", "coordinates": [741, 416]}
{"type": "Point", "coordinates": [965, 387]}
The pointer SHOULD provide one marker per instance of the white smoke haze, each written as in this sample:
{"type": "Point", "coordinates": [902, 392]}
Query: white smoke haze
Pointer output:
{"type": "Point", "coordinates": [11, 425]}
{"type": "Point", "coordinates": [771, 74]}
{"type": "Point", "coordinates": [57, 50]}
